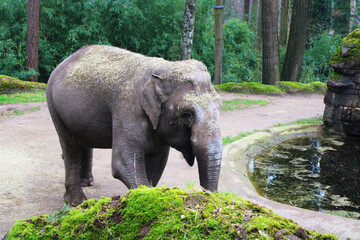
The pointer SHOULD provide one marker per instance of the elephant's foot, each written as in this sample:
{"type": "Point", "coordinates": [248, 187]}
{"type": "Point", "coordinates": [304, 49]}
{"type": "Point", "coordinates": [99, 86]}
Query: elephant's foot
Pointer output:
{"type": "Point", "coordinates": [74, 199]}
{"type": "Point", "coordinates": [87, 181]}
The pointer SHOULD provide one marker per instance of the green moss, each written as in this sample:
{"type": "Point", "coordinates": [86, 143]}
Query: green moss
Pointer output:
{"type": "Point", "coordinates": [281, 88]}
{"type": "Point", "coordinates": [336, 76]}
{"type": "Point", "coordinates": [319, 87]}
{"type": "Point", "coordinates": [351, 41]}
{"type": "Point", "coordinates": [163, 213]}
{"type": "Point", "coordinates": [10, 85]}
{"type": "Point", "coordinates": [250, 87]}
{"type": "Point", "coordinates": [295, 87]}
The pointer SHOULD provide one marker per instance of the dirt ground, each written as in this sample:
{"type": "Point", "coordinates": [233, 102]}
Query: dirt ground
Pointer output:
{"type": "Point", "coordinates": [32, 171]}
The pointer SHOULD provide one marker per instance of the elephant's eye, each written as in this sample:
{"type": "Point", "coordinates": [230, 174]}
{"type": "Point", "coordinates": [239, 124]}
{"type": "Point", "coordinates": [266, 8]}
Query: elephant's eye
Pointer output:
{"type": "Point", "coordinates": [187, 118]}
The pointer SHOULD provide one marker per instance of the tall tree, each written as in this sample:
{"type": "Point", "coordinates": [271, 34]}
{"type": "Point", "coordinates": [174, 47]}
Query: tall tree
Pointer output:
{"type": "Point", "coordinates": [352, 14]}
{"type": "Point", "coordinates": [218, 13]}
{"type": "Point", "coordinates": [271, 59]}
{"type": "Point", "coordinates": [258, 31]}
{"type": "Point", "coordinates": [284, 21]}
{"type": "Point", "coordinates": [188, 30]}
{"type": "Point", "coordinates": [246, 10]}
{"type": "Point", "coordinates": [32, 38]}
{"type": "Point", "coordinates": [254, 13]}
{"type": "Point", "coordinates": [296, 45]}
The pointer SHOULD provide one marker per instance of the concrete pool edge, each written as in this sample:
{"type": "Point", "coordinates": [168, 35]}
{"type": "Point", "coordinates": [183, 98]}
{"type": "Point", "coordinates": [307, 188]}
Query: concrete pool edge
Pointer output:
{"type": "Point", "coordinates": [234, 170]}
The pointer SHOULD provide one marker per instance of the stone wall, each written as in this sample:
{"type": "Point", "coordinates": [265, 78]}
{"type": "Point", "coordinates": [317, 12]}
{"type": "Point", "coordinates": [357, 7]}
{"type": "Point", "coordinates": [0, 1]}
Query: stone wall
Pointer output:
{"type": "Point", "coordinates": [342, 102]}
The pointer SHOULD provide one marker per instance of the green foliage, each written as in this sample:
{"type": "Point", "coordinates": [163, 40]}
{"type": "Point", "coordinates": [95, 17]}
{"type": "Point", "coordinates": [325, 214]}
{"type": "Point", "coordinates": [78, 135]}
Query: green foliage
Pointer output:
{"type": "Point", "coordinates": [151, 28]}
{"type": "Point", "coordinates": [317, 57]}
{"type": "Point", "coordinates": [320, 17]}
{"type": "Point", "coordinates": [157, 213]}
{"type": "Point", "coordinates": [237, 104]}
{"type": "Point", "coordinates": [241, 58]}
{"type": "Point", "coordinates": [341, 16]}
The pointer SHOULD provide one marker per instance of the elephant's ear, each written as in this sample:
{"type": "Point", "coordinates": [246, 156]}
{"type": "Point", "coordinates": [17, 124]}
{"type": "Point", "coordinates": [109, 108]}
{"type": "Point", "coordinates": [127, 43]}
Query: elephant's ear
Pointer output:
{"type": "Point", "coordinates": [151, 100]}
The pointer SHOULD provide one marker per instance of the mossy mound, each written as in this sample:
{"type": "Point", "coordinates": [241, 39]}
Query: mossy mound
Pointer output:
{"type": "Point", "coordinates": [297, 87]}
{"type": "Point", "coordinates": [349, 49]}
{"type": "Point", "coordinates": [283, 87]}
{"type": "Point", "coordinates": [250, 88]}
{"type": "Point", "coordinates": [164, 213]}
{"type": "Point", "coordinates": [11, 85]}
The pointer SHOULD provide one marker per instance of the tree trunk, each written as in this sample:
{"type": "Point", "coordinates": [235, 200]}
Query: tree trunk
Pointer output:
{"type": "Point", "coordinates": [188, 30]}
{"type": "Point", "coordinates": [246, 10]}
{"type": "Point", "coordinates": [296, 44]}
{"type": "Point", "coordinates": [32, 41]}
{"type": "Point", "coordinates": [284, 21]}
{"type": "Point", "coordinates": [218, 12]}
{"type": "Point", "coordinates": [352, 14]}
{"type": "Point", "coordinates": [259, 33]}
{"type": "Point", "coordinates": [254, 14]}
{"type": "Point", "coordinates": [271, 59]}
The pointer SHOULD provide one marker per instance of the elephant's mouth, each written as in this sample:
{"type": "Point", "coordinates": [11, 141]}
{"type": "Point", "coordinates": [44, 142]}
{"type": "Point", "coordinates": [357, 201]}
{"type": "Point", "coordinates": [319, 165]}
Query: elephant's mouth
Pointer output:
{"type": "Point", "coordinates": [188, 154]}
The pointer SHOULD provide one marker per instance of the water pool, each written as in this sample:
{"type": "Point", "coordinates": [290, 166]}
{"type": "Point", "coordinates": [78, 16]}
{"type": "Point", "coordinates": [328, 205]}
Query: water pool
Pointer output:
{"type": "Point", "coordinates": [320, 173]}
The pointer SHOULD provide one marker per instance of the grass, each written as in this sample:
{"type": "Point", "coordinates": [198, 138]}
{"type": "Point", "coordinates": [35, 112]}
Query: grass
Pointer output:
{"type": "Point", "coordinates": [237, 104]}
{"type": "Point", "coordinates": [19, 113]}
{"type": "Point", "coordinates": [227, 140]}
{"type": "Point", "coordinates": [23, 97]}
{"type": "Point", "coordinates": [312, 121]}
{"type": "Point", "coordinates": [164, 213]}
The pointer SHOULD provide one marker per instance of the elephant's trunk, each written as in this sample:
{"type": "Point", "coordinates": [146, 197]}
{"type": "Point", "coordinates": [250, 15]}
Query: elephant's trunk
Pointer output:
{"type": "Point", "coordinates": [207, 146]}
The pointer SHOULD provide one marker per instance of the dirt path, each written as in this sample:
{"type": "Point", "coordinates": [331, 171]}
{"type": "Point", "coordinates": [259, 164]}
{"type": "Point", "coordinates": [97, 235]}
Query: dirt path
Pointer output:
{"type": "Point", "coordinates": [32, 172]}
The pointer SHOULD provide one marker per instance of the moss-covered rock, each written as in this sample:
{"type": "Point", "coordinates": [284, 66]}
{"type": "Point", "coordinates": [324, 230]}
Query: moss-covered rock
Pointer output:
{"type": "Point", "coordinates": [11, 85]}
{"type": "Point", "coordinates": [283, 87]}
{"type": "Point", "coordinates": [349, 49]}
{"type": "Point", "coordinates": [297, 87]}
{"type": "Point", "coordinates": [164, 213]}
{"type": "Point", "coordinates": [250, 87]}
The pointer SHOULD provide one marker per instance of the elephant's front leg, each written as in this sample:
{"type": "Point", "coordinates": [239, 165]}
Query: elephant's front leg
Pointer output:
{"type": "Point", "coordinates": [128, 165]}
{"type": "Point", "coordinates": [86, 176]}
{"type": "Point", "coordinates": [155, 165]}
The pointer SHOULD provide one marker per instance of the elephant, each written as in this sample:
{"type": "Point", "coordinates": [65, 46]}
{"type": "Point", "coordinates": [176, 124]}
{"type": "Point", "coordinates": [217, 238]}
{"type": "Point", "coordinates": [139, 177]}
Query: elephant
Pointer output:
{"type": "Point", "coordinates": [108, 97]}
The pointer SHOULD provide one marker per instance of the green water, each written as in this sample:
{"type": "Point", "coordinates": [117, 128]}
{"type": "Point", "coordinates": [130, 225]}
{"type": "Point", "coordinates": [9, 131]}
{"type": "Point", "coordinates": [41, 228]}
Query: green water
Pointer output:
{"type": "Point", "coordinates": [312, 172]}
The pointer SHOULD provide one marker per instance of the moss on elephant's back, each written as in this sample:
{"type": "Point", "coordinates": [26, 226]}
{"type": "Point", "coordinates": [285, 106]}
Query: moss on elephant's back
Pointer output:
{"type": "Point", "coordinates": [172, 213]}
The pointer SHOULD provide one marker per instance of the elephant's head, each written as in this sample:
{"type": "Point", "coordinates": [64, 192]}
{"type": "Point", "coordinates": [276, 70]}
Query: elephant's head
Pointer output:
{"type": "Point", "coordinates": [183, 108]}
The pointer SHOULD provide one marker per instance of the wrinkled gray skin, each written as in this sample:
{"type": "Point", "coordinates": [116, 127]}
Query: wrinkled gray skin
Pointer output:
{"type": "Point", "coordinates": [139, 130]}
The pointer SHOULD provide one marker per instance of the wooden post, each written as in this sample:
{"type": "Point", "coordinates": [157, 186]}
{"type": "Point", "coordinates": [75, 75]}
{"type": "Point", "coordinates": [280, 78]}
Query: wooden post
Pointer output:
{"type": "Point", "coordinates": [32, 38]}
{"type": "Point", "coordinates": [218, 14]}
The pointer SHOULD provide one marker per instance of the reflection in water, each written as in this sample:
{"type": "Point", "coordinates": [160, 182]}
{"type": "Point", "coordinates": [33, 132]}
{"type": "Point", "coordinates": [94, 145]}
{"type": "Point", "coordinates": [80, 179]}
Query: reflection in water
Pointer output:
{"type": "Point", "coordinates": [317, 173]}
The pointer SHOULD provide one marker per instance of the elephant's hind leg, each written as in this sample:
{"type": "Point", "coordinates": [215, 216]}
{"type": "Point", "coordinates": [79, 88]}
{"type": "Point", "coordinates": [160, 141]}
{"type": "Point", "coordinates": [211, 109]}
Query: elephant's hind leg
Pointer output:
{"type": "Point", "coordinates": [72, 156]}
{"type": "Point", "coordinates": [86, 176]}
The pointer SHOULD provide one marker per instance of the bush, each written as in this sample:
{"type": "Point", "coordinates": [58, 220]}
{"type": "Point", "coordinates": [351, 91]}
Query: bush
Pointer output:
{"type": "Point", "coordinates": [317, 58]}
{"type": "Point", "coordinates": [241, 59]}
